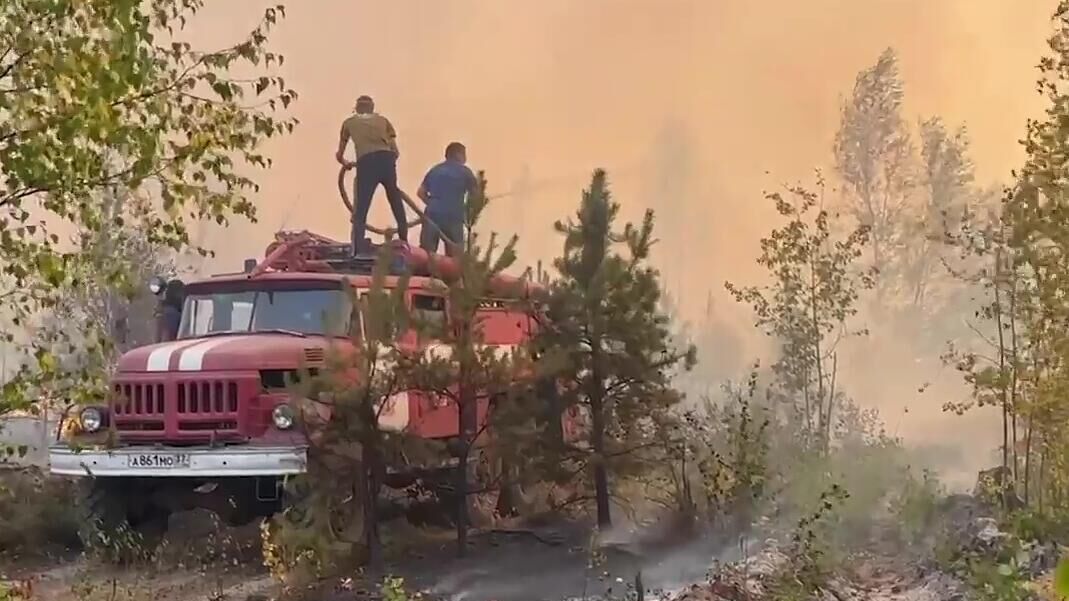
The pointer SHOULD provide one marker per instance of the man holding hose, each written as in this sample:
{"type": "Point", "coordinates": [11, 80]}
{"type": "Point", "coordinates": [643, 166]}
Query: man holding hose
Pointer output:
{"type": "Point", "coordinates": [375, 142]}
{"type": "Point", "coordinates": [443, 190]}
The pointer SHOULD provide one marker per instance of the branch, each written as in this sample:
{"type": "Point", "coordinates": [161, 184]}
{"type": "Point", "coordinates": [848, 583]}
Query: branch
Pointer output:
{"type": "Point", "coordinates": [573, 500]}
{"type": "Point", "coordinates": [644, 445]}
{"type": "Point", "coordinates": [216, 102]}
{"type": "Point", "coordinates": [15, 63]}
{"type": "Point", "coordinates": [22, 193]}
{"type": "Point", "coordinates": [165, 163]}
{"type": "Point", "coordinates": [172, 85]}
{"type": "Point", "coordinates": [980, 334]}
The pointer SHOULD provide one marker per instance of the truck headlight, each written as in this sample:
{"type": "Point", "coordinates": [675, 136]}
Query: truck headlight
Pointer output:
{"type": "Point", "coordinates": [283, 416]}
{"type": "Point", "coordinates": [92, 419]}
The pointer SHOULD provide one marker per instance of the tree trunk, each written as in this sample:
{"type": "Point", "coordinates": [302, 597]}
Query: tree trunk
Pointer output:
{"type": "Point", "coordinates": [548, 393]}
{"type": "Point", "coordinates": [601, 473]}
{"type": "Point", "coordinates": [818, 364]}
{"type": "Point", "coordinates": [1026, 484]}
{"type": "Point", "coordinates": [1013, 380]}
{"type": "Point", "coordinates": [831, 403]}
{"type": "Point", "coordinates": [468, 422]}
{"type": "Point", "coordinates": [1002, 371]}
{"type": "Point", "coordinates": [1040, 480]}
{"type": "Point", "coordinates": [374, 471]}
{"type": "Point", "coordinates": [508, 496]}
{"type": "Point", "coordinates": [372, 486]}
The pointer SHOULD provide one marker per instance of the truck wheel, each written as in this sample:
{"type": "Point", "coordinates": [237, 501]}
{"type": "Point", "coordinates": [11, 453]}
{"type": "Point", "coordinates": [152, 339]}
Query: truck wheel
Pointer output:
{"type": "Point", "coordinates": [114, 529]}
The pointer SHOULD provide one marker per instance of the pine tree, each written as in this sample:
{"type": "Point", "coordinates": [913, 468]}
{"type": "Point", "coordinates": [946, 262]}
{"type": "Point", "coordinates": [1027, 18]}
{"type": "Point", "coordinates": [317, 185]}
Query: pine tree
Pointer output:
{"type": "Point", "coordinates": [607, 340]}
{"type": "Point", "coordinates": [469, 372]}
{"type": "Point", "coordinates": [350, 438]}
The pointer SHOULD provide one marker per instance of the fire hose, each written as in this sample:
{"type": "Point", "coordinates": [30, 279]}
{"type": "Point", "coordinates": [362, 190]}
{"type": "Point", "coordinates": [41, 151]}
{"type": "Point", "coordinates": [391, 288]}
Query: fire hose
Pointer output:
{"type": "Point", "coordinates": [387, 233]}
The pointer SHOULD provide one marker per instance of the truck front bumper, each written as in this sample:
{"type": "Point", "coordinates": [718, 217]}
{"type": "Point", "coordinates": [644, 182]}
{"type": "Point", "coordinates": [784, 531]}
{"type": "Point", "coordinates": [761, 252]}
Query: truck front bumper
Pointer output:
{"type": "Point", "coordinates": [178, 462]}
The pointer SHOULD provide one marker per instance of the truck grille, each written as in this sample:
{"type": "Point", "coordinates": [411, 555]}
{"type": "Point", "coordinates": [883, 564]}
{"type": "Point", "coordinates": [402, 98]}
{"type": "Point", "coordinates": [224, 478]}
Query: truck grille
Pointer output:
{"type": "Point", "coordinates": [202, 397]}
{"type": "Point", "coordinates": [185, 409]}
{"type": "Point", "coordinates": [139, 399]}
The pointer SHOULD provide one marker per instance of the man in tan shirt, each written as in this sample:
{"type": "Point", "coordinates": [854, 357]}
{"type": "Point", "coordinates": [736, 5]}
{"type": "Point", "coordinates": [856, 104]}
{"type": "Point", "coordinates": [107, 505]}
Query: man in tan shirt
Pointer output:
{"type": "Point", "coordinates": [375, 142]}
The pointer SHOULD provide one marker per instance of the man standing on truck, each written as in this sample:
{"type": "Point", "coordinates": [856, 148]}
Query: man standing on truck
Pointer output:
{"type": "Point", "coordinates": [375, 142]}
{"type": "Point", "coordinates": [443, 190]}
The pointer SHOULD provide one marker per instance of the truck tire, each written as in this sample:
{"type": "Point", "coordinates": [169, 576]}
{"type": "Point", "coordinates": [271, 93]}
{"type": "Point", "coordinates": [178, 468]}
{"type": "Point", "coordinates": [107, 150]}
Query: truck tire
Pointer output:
{"type": "Point", "coordinates": [115, 529]}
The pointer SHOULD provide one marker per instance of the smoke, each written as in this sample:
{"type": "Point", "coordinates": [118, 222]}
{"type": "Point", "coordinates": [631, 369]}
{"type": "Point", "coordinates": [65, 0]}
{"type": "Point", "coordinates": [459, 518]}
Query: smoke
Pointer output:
{"type": "Point", "coordinates": [694, 107]}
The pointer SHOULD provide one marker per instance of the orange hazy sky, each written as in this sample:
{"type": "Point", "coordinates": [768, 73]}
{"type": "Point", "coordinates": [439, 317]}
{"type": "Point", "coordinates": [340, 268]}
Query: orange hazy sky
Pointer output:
{"type": "Point", "coordinates": [688, 103]}
{"type": "Point", "coordinates": [694, 106]}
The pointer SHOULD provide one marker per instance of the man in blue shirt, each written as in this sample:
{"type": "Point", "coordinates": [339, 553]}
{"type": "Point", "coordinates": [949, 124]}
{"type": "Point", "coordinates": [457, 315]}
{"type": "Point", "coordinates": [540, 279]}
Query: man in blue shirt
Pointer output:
{"type": "Point", "coordinates": [444, 190]}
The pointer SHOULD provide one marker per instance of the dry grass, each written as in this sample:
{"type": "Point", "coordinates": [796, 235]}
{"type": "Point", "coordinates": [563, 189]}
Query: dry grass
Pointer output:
{"type": "Point", "coordinates": [38, 516]}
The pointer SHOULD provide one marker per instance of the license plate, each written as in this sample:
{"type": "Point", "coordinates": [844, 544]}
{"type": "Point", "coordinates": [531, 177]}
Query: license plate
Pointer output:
{"type": "Point", "coordinates": [158, 460]}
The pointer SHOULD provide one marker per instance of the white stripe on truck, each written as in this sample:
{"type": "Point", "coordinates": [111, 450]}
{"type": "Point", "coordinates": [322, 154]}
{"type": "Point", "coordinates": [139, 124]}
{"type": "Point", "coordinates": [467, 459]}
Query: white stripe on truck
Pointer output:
{"type": "Point", "coordinates": [160, 359]}
{"type": "Point", "coordinates": [192, 358]}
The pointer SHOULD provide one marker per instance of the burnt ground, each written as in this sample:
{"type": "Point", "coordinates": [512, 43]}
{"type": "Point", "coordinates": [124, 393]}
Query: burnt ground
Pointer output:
{"type": "Point", "coordinates": [551, 563]}
{"type": "Point", "coordinates": [200, 560]}
{"type": "Point", "coordinates": [554, 563]}
{"type": "Point", "coordinates": [206, 562]}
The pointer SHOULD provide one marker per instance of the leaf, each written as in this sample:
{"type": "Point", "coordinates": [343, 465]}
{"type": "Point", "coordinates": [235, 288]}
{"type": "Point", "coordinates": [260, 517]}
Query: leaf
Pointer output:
{"type": "Point", "coordinates": [1060, 580]}
{"type": "Point", "coordinates": [104, 105]}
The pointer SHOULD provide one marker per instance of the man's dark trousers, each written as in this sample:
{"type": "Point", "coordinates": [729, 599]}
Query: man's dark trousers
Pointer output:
{"type": "Point", "coordinates": [452, 229]}
{"type": "Point", "coordinates": [372, 169]}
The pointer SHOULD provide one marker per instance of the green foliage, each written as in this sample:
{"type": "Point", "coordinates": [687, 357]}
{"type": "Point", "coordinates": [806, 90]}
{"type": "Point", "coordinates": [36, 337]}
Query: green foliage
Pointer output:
{"type": "Point", "coordinates": [1019, 362]}
{"type": "Point", "coordinates": [716, 459]}
{"type": "Point", "coordinates": [817, 437]}
{"type": "Point", "coordinates": [607, 340]}
{"type": "Point", "coordinates": [37, 514]}
{"type": "Point", "coordinates": [814, 291]}
{"type": "Point", "coordinates": [1002, 576]}
{"type": "Point", "coordinates": [993, 581]}
{"type": "Point", "coordinates": [101, 95]}
{"type": "Point", "coordinates": [469, 370]}
{"type": "Point", "coordinates": [1061, 578]}
{"type": "Point", "coordinates": [810, 557]}
{"type": "Point", "coordinates": [393, 589]}
{"type": "Point", "coordinates": [875, 472]}
{"type": "Point", "coordinates": [9, 593]}
{"type": "Point", "coordinates": [1039, 526]}
{"type": "Point", "coordinates": [915, 506]}
{"type": "Point", "coordinates": [122, 314]}
{"type": "Point", "coordinates": [333, 523]}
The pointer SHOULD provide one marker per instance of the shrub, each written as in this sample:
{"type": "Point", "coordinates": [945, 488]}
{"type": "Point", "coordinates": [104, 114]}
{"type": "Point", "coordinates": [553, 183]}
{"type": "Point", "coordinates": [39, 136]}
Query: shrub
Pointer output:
{"type": "Point", "coordinates": [37, 513]}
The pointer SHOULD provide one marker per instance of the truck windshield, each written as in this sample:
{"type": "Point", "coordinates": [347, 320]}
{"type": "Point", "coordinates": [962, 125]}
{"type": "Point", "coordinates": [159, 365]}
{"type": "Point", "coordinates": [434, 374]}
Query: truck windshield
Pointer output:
{"type": "Point", "coordinates": [317, 312]}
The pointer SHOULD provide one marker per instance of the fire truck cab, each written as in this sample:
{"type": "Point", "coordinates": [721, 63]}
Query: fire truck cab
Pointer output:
{"type": "Point", "coordinates": [204, 419]}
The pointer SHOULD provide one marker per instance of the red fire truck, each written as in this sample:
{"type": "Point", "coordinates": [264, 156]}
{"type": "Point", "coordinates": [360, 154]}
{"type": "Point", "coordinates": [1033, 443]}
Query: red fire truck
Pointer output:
{"type": "Point", "coordinates": [204, 419]}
